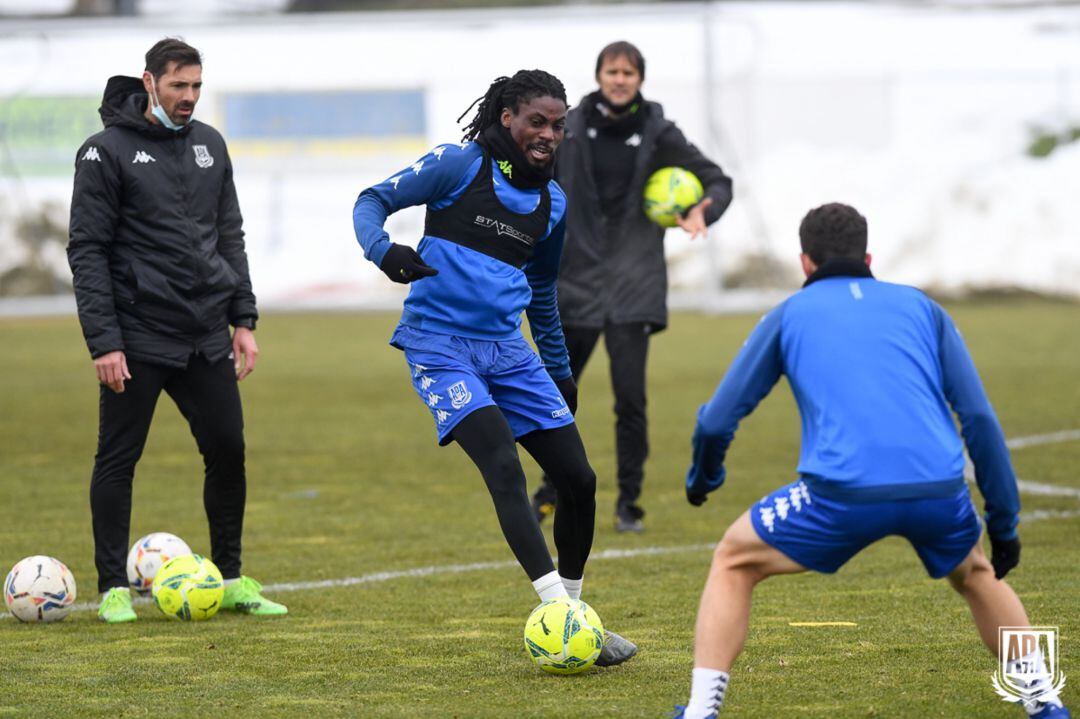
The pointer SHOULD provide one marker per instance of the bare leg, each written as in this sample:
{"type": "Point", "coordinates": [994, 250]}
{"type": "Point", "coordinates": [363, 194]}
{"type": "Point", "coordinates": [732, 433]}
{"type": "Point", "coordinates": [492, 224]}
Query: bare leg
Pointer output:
{"type": "Point", "coordinates": [740, 561]}
{"type": "Point", "coordinates": [993, 602]}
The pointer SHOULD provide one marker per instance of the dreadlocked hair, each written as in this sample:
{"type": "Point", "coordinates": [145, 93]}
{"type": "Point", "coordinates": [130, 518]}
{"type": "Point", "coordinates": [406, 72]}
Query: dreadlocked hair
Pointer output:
{"type": "Point", "coordinates": [510, 92]}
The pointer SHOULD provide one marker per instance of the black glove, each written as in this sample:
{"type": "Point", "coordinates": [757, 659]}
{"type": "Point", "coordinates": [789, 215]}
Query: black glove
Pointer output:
{"type": "Point", "coordinates": [568, 389]}
{"type": "Point", "coordinates": [696, 498]}
{"type": "Point", "coordinates": [1004, 555]}
{"type": "Point", "coordinates": [402, 264]}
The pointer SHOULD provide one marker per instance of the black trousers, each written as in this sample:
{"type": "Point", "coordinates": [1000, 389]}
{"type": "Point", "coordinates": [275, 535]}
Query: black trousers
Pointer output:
{"type": "Point", "coordinates": [208, 397]}
{"type": "Point", "coordinates": [486, 437]}
{"type": "Point", "coordinates": [627, 347]}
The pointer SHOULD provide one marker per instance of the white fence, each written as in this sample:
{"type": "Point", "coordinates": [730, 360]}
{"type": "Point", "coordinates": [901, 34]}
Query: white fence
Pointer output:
{"type": "Point", "coordinates": [919, 116]}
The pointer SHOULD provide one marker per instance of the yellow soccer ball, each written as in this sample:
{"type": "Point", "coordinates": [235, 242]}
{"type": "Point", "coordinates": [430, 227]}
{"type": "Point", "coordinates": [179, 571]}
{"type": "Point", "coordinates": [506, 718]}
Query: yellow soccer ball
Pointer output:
{"type": "Point", "coordinates": [188, 588]}
{"type": "Point", "coordinates": [669, 192]}
{"type": "Point", "coordinates": [564, 636]}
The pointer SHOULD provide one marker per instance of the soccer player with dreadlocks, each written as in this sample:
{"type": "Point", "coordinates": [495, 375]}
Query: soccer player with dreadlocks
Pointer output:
{"type": "Point", "coordinates": [493, 237]}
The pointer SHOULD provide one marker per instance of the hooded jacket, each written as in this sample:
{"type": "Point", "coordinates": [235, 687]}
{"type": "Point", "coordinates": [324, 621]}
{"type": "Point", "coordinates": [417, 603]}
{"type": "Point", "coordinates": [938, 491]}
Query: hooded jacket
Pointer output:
{"type": "Point", "coordinates": [613, 270]}
{"type": "Point", "coordinates": [155, 241]}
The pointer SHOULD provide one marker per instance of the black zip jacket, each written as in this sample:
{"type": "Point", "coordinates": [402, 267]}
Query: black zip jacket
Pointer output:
{"type": "Point", "coordinates": [613, 269]}
{"type": "Point", "coordinates": [156, 245]}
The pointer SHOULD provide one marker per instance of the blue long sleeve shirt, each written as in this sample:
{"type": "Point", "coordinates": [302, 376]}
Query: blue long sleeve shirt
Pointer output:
{"type": "Point", "coordinates": [875, 368]}
{"type": "Point", "coordinates": [473, 295]}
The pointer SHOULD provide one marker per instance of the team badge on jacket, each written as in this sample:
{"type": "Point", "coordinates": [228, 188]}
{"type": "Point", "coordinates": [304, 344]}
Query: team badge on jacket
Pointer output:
{"type": "Point", "coordinates": [203, 158]}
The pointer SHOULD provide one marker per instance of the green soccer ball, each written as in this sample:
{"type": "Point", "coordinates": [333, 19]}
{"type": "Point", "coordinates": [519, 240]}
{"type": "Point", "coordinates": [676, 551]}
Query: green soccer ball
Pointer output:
{"type": "Point", "coordinates": [670, 192]}
{"type": "Point", "coordinates": [564, 636]}
{"type": "Point", "coordinates": [188, 588]}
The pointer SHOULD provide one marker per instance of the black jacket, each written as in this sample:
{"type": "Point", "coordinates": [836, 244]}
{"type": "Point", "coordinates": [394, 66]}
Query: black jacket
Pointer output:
{"type": "Point", "coordinates": [156, 245]}
{"type": "Point", "coordinates": [614, 270]}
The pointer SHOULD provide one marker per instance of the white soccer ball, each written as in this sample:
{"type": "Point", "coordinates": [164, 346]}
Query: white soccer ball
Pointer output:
{"type": "Point", "coordinates": [148, 554]}
{"type": "Point", "coordinates": [39, 589]}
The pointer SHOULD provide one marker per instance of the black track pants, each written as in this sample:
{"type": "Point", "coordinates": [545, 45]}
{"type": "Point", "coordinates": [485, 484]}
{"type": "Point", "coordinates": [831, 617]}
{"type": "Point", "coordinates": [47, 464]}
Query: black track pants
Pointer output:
{"type": "Point", "coordinates": [209, 399]}
{"type": "Point", "coordinates": [486, 438]}
{"type": "Point", "coordinates": [627, 347]}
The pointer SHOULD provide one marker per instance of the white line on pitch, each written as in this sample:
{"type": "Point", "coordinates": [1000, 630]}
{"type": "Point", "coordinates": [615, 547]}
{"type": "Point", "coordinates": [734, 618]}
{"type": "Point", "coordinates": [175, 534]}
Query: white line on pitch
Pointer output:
{"type": "Point", "coordinates": [1046, 490]}
{"type": "Point", "coordinates": [1034, 440]}
{"type": "Point", "coordinates": [377, 577]}
{"type": "Point", "coordinates": [1037, 514]}
{"type": "Point", "coordinates": [479, 566]}
{"type": "Point", "coordinates": [1024, 485]}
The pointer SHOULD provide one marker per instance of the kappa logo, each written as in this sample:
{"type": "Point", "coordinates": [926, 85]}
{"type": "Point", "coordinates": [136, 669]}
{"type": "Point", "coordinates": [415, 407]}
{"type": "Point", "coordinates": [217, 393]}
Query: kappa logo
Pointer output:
{"type": "Point", "coordinates": [442, 415]}
{"type": "Point", "coordinates": [501, 228]}
{"type": "Point", "coordinates": [203, 158]}
{"type": "Point", "coordinates": [507, 168]}
{"type": "Point", "coordinates": [433, 399]}
{"type": "Point", "coordinates": [417, 166]}
{"type": "Point", "coordinates": [438, 152]}
{"type": "Point", "coordinates": [798, 497]}
{"type": "Point", "coordinates": [142, 157]}
{"type": "Point", "coordinates": [634, 140]}
{"type": "Point", "coordinates": [91, 154]}
{"type": "Point", "coordinates": [459, 394]}
{"type": "Point", "coordinates": [394, 180]}
{"type": "Point", "coordinates": [425, 383]}
{"type": "Point", "coordinates": [561, 412]}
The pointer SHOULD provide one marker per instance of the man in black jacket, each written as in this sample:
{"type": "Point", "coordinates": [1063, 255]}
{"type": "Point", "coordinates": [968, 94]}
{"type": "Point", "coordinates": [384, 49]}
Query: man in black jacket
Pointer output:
{"type": "Point", "coordinates": [160, 272]}
{"type": "Point", "coordinates": [613, 277]}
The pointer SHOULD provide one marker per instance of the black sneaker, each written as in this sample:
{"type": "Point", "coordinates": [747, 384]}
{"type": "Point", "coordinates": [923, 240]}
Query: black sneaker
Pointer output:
{"type": "Point", "coordinates": [628, 519]}
{"type": "Point", "coordinates": [543, 502]}
{"type": "Point", "coordinates": [616, 650]}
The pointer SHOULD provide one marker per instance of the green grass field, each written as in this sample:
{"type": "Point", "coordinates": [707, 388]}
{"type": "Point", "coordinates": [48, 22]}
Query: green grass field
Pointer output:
{"type": "Point", "coordinates": [345, 480]}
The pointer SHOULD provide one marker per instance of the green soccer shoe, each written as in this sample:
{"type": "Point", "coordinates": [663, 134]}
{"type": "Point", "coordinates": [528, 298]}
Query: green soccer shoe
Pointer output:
{"type": "Point", "coordinates": [244, 596]}
{"type": "Point", "coordinates": [115, 606]}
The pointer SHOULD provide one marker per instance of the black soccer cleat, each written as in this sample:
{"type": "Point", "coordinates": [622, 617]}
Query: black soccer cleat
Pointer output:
{"type": "Point", "coordinates": [616, 650]}
{"type": "Point", "coordinates": [628, 519]}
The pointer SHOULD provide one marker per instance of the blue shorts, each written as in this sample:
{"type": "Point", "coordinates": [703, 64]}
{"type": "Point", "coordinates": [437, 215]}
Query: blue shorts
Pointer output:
{"type": "Point", "coordinates": [454, 376]}
{"type": "Point", "coordinates": [822, 533]}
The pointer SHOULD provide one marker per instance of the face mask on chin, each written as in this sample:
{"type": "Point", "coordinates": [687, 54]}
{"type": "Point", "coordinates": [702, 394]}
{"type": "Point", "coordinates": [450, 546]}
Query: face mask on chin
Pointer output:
{"type": "Point", "coordinates": [159, 112]}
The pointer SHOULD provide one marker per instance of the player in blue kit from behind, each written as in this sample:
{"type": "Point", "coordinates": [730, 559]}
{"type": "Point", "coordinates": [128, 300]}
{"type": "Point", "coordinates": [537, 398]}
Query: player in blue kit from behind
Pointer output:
{"type": "Point", "coordinates": [875, 369]}
{"type": "Point", "coordinates": [493, 237]}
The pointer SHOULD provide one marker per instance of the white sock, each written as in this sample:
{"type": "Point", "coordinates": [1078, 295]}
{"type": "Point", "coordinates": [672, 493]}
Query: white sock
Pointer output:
{"type": "Point", "coordinates": [1040, 680]}
{"type": "Point", "coordinates": [227, 582]}
{"type": "Point", "coordinates": [550, 586]}
{"type": "Point", "coordinates": [573, 586]}
{"type": "Point", "coordinates": [706, 693]}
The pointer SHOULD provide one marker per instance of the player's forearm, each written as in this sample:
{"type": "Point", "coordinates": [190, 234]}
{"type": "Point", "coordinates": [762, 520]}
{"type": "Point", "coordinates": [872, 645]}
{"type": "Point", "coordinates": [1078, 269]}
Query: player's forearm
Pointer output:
{"type": "Point", "coordinates": [993, 473]}
{"type": "Point", "coordinates": [709, 451]}
{"type": "Point", "coordinates": [369, 216]}
{"type": "Point", "coordinates": [547, 332]}
{"type": "Point", "coordinates": [981, 430]}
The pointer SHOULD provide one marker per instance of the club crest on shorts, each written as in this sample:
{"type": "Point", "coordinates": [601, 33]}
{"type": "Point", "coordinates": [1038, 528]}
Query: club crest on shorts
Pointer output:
{"type": "Point", "coordinates": [459, 394]}
{"type": "Point", "coordinates": [1021, 676]}
{"type": "Point", "coordinates": [203, 158]}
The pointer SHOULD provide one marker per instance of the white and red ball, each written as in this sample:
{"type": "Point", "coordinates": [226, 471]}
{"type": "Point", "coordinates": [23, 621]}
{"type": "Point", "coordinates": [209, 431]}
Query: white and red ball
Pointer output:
{"type": "Point", "coordinates": [148, 554]}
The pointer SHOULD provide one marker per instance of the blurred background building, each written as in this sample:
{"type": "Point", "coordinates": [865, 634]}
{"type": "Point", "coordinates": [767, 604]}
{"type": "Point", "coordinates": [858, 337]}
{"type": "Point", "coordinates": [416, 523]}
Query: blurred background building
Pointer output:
{"type": "Point", "coordinates": [953, 126]}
